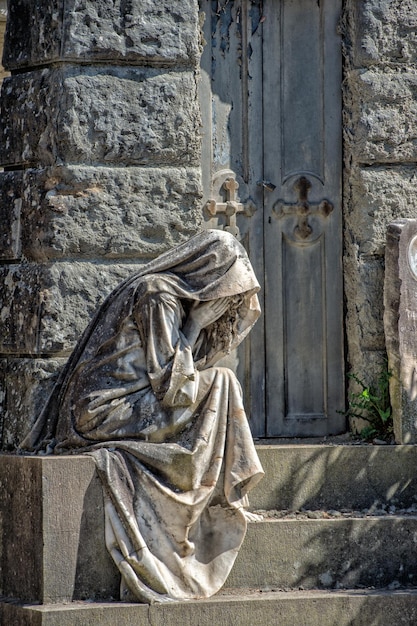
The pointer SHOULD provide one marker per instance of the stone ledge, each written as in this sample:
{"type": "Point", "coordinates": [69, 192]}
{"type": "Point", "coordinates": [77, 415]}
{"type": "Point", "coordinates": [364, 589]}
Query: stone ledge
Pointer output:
{"type": "Point", "coordinates": [52, 524]}
{"type": "Point", "coordinates": [246, 608]}
{"type": "Point", "coordinates": [53, 549]}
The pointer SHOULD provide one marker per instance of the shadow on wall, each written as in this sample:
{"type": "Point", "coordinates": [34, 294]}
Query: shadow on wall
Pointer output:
{"type": "Point", "coordinates": [372, 549]}
{"type": "Point", "coordinates": [351, 553]}
{"type": "Point", "coordinates": [354, 477]}
{"type": "Point", "coordinates": [368, 611]}
{"type": "Point", "coordinates": [96, 575]}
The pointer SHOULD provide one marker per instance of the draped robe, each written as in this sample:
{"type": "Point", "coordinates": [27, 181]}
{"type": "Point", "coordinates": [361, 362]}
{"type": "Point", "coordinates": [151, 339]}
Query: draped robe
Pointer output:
{"type": "Point", "coordinates": [165, 425]}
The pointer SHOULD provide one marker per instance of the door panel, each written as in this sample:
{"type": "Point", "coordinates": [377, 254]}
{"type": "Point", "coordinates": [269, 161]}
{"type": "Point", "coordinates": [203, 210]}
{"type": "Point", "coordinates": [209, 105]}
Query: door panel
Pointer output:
{"type": "Point", "coordinates": [271, 83]}
{"type": "Point", "coordinates": [299, 24]}
{"type": "Point", "coordinates": [231, 102]}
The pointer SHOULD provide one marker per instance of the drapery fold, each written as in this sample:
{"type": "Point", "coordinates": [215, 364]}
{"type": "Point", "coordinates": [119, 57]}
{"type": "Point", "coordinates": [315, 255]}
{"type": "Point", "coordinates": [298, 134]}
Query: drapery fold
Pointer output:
{"type": "Point", "coordinates": [165, 425]}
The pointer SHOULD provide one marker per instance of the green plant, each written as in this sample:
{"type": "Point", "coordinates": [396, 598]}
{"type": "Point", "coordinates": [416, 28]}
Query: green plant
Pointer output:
{"type": "Point", "coordinates": [372, 404]}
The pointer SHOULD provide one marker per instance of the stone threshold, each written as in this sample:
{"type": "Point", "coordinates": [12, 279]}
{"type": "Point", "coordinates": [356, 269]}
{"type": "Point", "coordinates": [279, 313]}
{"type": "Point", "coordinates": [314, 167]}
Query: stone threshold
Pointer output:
{"type": "Point", "coordinates": [346, 439]}
{"type": "Point", "coordinates": [317, 514]}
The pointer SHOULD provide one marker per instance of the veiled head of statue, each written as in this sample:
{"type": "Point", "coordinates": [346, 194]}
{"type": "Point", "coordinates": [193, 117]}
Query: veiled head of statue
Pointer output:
{"type": "Point", "coordinates": [212, 264]}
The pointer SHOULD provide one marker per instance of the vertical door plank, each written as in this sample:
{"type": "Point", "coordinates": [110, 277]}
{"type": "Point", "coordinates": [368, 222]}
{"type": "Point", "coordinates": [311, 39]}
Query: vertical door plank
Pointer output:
{"type": "Point", "coordinates": [303, 273]}
{"type": "Point", "coordinates": [231, 103]}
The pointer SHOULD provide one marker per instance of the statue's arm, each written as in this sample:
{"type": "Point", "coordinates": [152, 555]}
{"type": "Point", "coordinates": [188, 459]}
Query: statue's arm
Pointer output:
{"type": "Point", "coordinates": [169, 359]}
{"type": "Point", "coordinates": [201, 315]}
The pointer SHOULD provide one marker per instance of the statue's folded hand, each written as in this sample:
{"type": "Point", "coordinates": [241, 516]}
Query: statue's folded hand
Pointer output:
{"type": "Point", "coordinates": [201, 315]}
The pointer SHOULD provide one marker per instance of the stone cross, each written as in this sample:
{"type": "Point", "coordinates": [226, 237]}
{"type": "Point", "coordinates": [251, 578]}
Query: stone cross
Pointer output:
{"type": "Point", "coordinates": [303, 208]}
{"type": "Point", "coordinates": [230, 208]}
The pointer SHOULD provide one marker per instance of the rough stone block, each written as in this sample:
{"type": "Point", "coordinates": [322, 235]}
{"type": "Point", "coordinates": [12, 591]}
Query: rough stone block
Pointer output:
{"type": "Point", "coordinates": [100, 115]}
{"type": "Point", "coordinates": [25, 387]}
{"type": "Point", "coordinates": [3, 369]}
{"type": "Point", "coordinates": [364, 279]}
{"type": "Point", "coordinates": [400, 319]}
{"type": "Point", "coordinates": [86, 212]}
{"type": "Point", "coordinates": [45, 308]}
{"type": "Point", "coordinates": [379, 195]}
{"type": "Point", "coordinates": [383, 109]}
{"type": "Point", "coordinates": [385, 32]}
{"type": "Point", "coordinates": [368, 365]}
{"type": "Point", "coordinates": [52, 520]}
{"type": "Point", "coordinates": [364, 293]}
{"type": "Point", "coordinates": [101, 30]}
{"type": "Point", "coordinates": [10, 216]}
{"type": "Point", "coordinates": [365, 363]}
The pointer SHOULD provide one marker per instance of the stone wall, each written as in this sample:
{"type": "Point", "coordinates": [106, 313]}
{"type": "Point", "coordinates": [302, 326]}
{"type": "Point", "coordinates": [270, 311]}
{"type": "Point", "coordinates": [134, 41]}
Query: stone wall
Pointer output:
{"type": "Point", "coordinates": [380, 135]}
{"type": "Point", "coordinates": [101, 148]}
{"type": "Point", "coordinates": [3, 17]}
{"type": "Point", "coordinates": [100, 143]}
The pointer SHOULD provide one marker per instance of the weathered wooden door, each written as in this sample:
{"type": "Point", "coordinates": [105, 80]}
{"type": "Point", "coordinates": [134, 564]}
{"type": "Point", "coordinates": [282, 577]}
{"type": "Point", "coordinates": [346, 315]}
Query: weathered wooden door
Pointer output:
{"type": "Point", "coordinates": [271, 103]}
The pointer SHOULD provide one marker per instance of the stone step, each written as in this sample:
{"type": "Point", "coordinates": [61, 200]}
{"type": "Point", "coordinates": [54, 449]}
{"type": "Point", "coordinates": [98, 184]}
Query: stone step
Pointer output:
{"type": "Point", "coordinates": [335, 476]}
{"type": "Point", "coordinates": [62, 536]}
{"type": "Point", "coordinates": [328, 553]}
{"type": "Point", "coordinates": [245, 608]}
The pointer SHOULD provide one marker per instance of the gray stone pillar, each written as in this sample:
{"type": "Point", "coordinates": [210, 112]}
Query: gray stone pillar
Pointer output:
{"type": "Point", "coordinates": [53, 547]}
{"type": "Point", "coordinates": [400, 321]}
{"type": "Point", "coordinates": [100, 143]}
{"type": "Point", "coordinates": [380, 116]}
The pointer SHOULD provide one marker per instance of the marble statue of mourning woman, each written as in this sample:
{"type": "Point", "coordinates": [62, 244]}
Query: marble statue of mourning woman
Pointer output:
{"type": "Point", "coordinates": [167, 429]}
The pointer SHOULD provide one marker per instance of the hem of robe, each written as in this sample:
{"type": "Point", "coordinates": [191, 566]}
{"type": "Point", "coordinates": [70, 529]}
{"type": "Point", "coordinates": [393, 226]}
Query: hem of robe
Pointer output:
{"type": "Point", "coordinates": [149, 579]}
